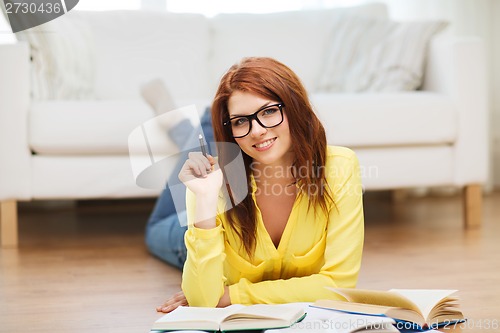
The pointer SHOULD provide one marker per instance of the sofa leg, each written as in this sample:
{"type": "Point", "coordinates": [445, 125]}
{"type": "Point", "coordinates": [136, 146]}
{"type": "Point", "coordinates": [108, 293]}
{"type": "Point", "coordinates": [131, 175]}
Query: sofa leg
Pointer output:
{"type": "Point", "coordinates": [8, 223]}
{"type": "Point", "coordinates": [472, 203]}
{"type": "Point", "coordinates": [399, 195]}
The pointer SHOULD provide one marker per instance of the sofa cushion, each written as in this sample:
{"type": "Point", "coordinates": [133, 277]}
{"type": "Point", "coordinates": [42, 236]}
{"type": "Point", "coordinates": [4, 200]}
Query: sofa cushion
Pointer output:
{"type": "Point", "coordinates": [353, 120]}
{"type": "Point", "coordinates": [387, 119]}
{"type": "Point", "coordinates": [62, 57]}
{"type": "Point", "coordinates": [298, 39]}
{"type": "Point", "coordinates": [84, 127]}
{"type": "Point", "coordinates": [93, 127]}
{"type": "Point", "coordinates": [133, 47]}
{"type": "Point", "coordinates": [367, 54]}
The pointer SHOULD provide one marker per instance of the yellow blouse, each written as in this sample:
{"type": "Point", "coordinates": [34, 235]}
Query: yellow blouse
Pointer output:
{"type": "Point", "coordinates": [315, 250]}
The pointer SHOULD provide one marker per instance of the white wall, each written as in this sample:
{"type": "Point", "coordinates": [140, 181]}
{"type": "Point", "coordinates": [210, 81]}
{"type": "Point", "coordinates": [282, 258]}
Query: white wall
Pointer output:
{"type": "Point", "coordinates": [6, 35]}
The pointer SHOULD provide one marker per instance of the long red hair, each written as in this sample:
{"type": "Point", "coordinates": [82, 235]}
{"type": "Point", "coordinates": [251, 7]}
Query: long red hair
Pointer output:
{"type": "Point", "coordinates": [271, 79]}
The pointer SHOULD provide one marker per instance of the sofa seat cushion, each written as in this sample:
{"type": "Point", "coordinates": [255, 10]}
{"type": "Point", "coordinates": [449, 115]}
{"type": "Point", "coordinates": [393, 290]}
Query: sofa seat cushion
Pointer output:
{"type": "Point", "coordinates": [353, 120]}
{"type": "Point", "coordinates": [387, 119]}
{"type": "Point", "coordinates": [86, 127]}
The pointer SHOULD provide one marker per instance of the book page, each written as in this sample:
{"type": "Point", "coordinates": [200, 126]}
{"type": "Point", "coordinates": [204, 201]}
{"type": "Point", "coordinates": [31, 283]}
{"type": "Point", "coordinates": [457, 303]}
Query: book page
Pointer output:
{"type": "Point", "coordinates": [425, 299]}
{"type": "Point", "coordinates": [377, 297]}
{"type": "Point", "coordinates": [370, 309]}
{"type": "Point", "coordinates": [186, 314]}
{"type": "Point", "coordinates": [263, 316]}
{"type": "Point", "coordinates": [284, 312]}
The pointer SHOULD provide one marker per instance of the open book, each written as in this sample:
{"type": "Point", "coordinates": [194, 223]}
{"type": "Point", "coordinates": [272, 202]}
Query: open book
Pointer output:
{"type": "Point", "coordinates": [231, 318]}
{"type": "Point", "coordinates": [422, 307]}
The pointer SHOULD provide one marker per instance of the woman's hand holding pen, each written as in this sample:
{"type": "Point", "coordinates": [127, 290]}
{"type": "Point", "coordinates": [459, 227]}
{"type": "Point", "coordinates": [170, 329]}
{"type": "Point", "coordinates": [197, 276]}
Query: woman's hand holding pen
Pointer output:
{"type": "Point", "coordinates": [201, 174]}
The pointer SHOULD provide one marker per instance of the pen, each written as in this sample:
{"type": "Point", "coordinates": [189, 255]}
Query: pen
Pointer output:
{"type": "Point", "coordinates": [202, 145]}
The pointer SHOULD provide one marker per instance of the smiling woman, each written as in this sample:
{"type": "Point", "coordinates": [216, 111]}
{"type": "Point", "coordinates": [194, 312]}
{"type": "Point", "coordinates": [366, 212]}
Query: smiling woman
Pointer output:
{"type": "Point", "coordinates": [295, 232]}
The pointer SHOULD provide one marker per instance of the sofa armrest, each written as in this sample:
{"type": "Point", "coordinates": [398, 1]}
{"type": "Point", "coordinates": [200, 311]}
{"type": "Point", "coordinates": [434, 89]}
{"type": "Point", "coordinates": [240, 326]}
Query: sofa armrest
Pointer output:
{"type": "Point", "coordinates": [456, 67]}
{"type": "Point", "coordinates": [15, 171]}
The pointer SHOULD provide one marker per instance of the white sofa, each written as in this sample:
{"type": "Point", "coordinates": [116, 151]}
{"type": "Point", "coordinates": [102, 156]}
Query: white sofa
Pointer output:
{"type": "Point", "coordinates": [68, 148]}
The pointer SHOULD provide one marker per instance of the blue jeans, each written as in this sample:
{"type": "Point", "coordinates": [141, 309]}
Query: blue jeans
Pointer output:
{"type": "Point", "coordinates": [166, 226]}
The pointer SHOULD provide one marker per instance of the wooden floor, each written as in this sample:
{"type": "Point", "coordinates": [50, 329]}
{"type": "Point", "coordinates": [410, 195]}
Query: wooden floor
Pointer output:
{"type": "Point", "coordinates": [85, 268]}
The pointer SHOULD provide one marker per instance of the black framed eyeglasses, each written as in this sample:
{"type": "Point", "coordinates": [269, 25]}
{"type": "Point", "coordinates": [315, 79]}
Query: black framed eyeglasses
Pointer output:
{"type": "Point", "coordinates": [267, 117]}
